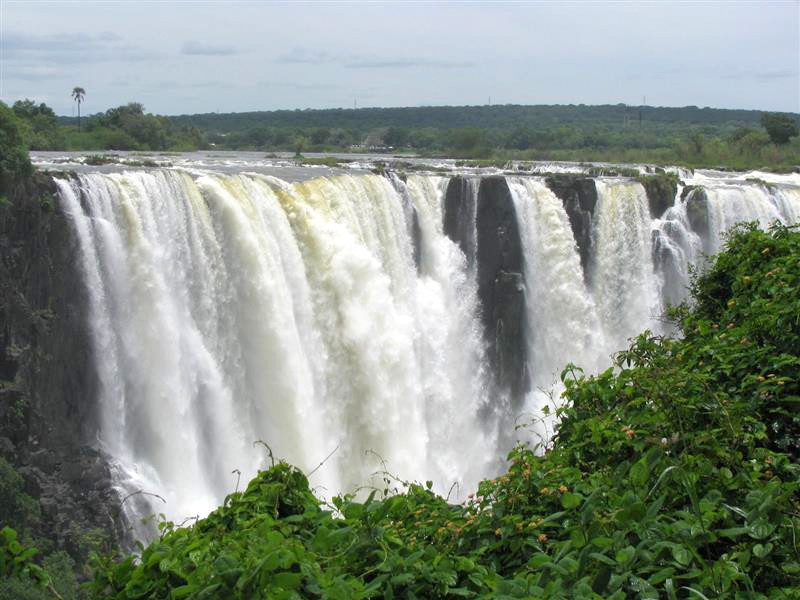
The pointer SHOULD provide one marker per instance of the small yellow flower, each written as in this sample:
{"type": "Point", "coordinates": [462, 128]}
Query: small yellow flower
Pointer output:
{"type": "Point", "coordinates": [563, 489]}
{"type": "Point", "coordinates": [542, 537]}
{"type": "Point", "coordinates": [545, 491]}
{"type": "Point", "coordinates": [498, 532]}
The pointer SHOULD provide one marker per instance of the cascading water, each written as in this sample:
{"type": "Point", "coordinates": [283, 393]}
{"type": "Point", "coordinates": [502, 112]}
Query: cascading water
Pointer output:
{"type": "Point", "coordinates": [622, 278]}
{"type": "Point", "coordinates": [729, 204]}
{"type": "Point", "coordinates": [239, 308]}
{"type": "Point", "coordinates": [338, 316]}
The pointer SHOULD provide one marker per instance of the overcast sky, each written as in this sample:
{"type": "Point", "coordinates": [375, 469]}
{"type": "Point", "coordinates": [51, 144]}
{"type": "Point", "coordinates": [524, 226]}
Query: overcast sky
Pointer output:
{"type": "Point", "coordinates": [189, 57]}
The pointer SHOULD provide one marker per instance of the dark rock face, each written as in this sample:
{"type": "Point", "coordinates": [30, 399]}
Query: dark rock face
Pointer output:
{"type": "Point", "coordinates": [697, 213]}
{"type": "Point", "coordinates": [460, 208]}
{"type": "Point", "coordinates": [579, 195]}
{"type": "Point", "coordinates": [47, 393]}
{"type": "Point", "coordinates": [501, 286]}
{"type": "Point", "coordinates": [661, 191]}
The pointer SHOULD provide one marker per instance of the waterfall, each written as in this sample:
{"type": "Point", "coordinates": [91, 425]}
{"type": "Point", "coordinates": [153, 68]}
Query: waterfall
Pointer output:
{"type": "Point", "coordinates": [729, 204]}
{"type": "Point", "coordinates": [562, 317]}
{"type": "Point", "coordinates": [623, 279]}
{"type": "Point", "coordinates": [338, 319]}
{"type": "Point", "coordinates": [230, 309]}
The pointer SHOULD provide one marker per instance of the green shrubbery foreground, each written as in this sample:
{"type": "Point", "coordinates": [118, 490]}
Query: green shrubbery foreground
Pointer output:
{"type": "Point", "coordinates": [674, 475]}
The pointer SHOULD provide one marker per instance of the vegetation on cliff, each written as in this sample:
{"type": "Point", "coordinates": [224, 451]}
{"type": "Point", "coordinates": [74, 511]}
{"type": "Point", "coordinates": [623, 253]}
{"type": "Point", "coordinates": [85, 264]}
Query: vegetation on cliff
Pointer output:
{"type": "Point", "coordinates": [673, 475]}
{"type": "Point", "coordinates": [14, 161]}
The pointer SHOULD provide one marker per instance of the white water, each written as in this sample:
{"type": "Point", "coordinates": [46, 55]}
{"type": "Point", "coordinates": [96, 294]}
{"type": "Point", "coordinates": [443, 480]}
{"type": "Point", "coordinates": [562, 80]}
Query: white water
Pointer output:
{"type": "Point", "coordinates": [729, 204]}
{"type": "Point", "coordinates": [226, 309]}
{"type": "Point", "coordinates": [622, 276]}
{"type": "Point", "coordinates": [230, 309]}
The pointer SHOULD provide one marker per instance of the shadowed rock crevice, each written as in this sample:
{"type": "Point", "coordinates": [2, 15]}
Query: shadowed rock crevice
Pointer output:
{"type": "Point", "coordinates": [501, 289]}
{"type": "Point", "coordinates": [460, 208]}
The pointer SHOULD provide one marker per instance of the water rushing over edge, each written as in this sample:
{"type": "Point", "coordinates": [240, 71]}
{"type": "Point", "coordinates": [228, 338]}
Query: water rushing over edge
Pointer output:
{"type": "Point", "coordinates": [227, 309]}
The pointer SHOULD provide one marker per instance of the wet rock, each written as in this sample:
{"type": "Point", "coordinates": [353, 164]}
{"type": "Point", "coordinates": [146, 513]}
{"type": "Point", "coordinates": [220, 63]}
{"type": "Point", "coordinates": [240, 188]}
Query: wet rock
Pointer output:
{"type": "Point", "coordinates": [697, 212]}
{"type": "Point", "coordinates": [500, 285]}
{"type": "Point", "coordinates": [459, 216]}
{"type": "Point", "coordinates": [661, 191]}
{"type": "Point", "coordinates": [47, 396]}
{"type": "Point", "coordinates": [7, 449]}
{"type": "Point", "coordinates": [33, 479]}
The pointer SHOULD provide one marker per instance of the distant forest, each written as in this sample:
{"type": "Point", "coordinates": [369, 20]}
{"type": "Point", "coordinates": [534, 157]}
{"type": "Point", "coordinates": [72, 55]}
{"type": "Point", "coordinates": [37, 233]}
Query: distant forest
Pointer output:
{"type": "Point", "coordinates": [688, 135]}
{"type": "Point", "coordinates": [506, 117]}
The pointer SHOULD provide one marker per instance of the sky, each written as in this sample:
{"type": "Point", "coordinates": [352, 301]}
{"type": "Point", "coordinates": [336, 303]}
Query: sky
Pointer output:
{"type": "Point", "coordinates": [192, 57]}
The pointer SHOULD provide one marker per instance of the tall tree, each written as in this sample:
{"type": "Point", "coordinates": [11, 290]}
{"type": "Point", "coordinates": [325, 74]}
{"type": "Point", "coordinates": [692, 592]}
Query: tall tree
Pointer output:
{"type": "Point", "coordinates": [77, 94]}
{"type": "Point", "coordinates": [780, 127]}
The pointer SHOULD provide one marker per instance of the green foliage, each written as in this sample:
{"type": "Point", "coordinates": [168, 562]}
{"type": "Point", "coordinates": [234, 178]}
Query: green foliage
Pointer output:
{"type": "Point", "coordinates": [16, 506]}
{"type": "Point", "coordinates": [21, 578]}
{"type": "Point", "coordinates": [16, 560]}
{"type": "Point", "coordinates": [699, 137]}
{"type": "Point", "coordinates": [673, 475]}
{"type": "Point", "coordinates": [129, 127]}
{"type": "Point", "coordinates": [780, 127]}
{"type": "Point", "coordinates": [14, 161]}
{"type": "Point", "coordinates": [38, 125]}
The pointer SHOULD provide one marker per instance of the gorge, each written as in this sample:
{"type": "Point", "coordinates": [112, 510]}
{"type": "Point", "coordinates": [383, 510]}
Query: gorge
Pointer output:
{"type": "Point", "coordinates": [353, 319]}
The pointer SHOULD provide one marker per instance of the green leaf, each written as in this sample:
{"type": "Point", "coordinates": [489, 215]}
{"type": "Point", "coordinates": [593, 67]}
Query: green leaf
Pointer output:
{"type": "Point", "coordinates": [681, 555]}
{"type": "Point", "coordinates": [761, 529]}
{"type": "Point", "coordinates": [762, 550]}
{"type": "Point", "coordinates": [183, 591]}
{"type": "Point", "coordinates": [625, 554]}
{"type": "Point", "coordinates": [570, 500]}
{"type": "Point", "coordinates": [402, 578]}
{"type": "Point", "coordinates": [537, 560]}
{"type": "Point", "coordinates": [607, 560]}
{"type": "Point", "coordinates": [694, 591]}
{"type": "Point", "coordinates": [640, 472]}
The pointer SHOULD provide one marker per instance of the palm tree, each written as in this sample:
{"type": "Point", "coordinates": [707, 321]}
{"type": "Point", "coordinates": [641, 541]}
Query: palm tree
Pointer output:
{"type": "Point", "coordinates": [77, 94]}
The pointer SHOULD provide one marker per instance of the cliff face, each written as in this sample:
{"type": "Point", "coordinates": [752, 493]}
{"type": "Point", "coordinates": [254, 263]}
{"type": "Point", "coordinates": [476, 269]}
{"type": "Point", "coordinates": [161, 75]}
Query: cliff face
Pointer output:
{"type": "Point", "coordinates": [661, 191]}
{"type": "Point", "coordinates": [47, 381]}
{"type": "Point", "coordinates": [459, 216]}
{"type": "Point", "coordinates": [498, 256]}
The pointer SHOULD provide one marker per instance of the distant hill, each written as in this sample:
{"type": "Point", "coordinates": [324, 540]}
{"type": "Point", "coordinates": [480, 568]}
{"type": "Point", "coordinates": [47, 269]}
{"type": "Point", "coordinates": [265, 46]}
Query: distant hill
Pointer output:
{"type": "Point", "coordinates": [502, 117]}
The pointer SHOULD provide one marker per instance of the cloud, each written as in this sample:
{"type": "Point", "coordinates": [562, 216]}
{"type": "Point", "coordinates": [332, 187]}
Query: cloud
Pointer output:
{"type": "Point", "coordinates": [300, 86]}
{"type": "Point", "coordinates": [202, 49]}
{"type": "Point", "coordinates": [63, 48]}
{"type": "Point", "coordinates": [305, 56]}
{"type": "Point", "coordinates": [768, 75]}
{"type": "Point", "coordinates": [33, 73]}
{"type": "Point", "coordinates": [406, 63]}
{"type": "Point", "coordinates": [782, 74]}
{"type": "Point", "coordinates": [317, 57]}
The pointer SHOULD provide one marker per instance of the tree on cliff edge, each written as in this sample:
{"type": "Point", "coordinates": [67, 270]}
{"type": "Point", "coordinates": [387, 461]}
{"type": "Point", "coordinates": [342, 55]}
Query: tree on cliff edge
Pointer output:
{"type": "Point", "coordinates": [14, 161]}
{"type": "Point", "coordinates": [77, 94]}
{"type": "Point", "coordinates": [779, 127]}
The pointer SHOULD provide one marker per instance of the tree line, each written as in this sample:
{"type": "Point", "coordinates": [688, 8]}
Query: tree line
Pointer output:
{"type": "Point", "coordinates": [689, 135]}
